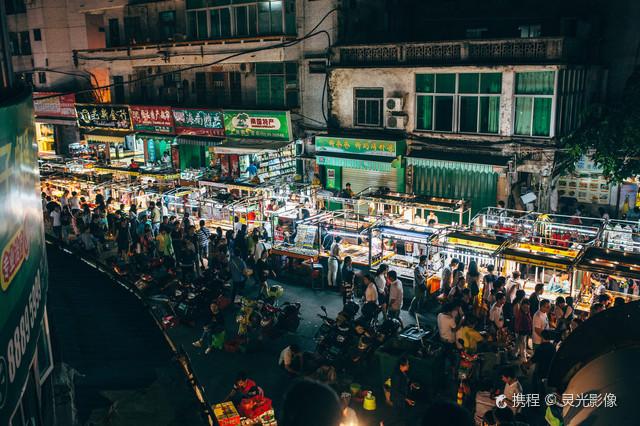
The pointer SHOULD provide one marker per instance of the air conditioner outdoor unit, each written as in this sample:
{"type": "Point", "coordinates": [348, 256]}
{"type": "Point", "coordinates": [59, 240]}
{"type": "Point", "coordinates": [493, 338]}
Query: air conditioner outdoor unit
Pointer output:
{"type": "Point", "coordinates": [393, 104]}
{"type": "Point", "coordinates": [396, 122]}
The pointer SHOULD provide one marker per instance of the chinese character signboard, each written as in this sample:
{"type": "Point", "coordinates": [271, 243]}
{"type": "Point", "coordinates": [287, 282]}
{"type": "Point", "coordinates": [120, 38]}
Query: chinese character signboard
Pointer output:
{"type": "Point", "coordinates": [103, 116]}
{"type": "Point", "coordinates": [23, 271]}
{"type": "Point", "coordinates": [258, 124]}
{"type": "Point", "coordinates": [54, 106]}
{"type": "Point", "coordinates": [198, 122]}
{"type": "Point", "coordinates": [369, 147]}
{"type": "Point", "coordinates": [153, 119]}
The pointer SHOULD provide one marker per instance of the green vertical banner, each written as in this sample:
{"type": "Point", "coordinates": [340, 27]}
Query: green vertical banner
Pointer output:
{"type": "Point", "coordinates": [23, 271]}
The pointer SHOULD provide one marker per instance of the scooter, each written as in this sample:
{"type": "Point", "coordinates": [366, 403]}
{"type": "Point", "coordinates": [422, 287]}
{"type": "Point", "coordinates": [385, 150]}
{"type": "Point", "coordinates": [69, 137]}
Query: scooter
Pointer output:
{"type": "Point", "coordinates": [465, 375]}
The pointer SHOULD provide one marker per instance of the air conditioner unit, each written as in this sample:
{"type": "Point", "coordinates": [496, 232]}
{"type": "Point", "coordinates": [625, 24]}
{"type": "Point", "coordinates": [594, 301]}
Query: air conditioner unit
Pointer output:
{"type": "Point", "coordinates": [393, 104]}
{"type": "Point", "coordinates": [396, 122]}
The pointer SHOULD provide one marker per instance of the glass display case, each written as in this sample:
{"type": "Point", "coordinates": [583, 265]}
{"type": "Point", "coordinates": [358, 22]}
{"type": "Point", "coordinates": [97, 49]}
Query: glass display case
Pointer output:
{"type": "Point", "coordinates": [621, 235]}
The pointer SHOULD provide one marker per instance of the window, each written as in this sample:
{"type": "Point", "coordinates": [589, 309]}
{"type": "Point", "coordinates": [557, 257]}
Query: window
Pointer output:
{"type": "Point", "coordinates": [114, 32]}
{"type": "Point", "coordinates": [14, 44]}
{"type": "Point", "coordinates": [14, 6]}
{"type": "Point", "coordinates": [42, 78]}
{"type": "Point", "coordinates": [25, 43]}
{"type": "Point", "coordinates": [277, 84]}
{"type": "Point", "coordinates": [529, 31]}
{"type": "Point", "coordinates": [475, 97]}
{"type": "Point", "coordinates": [167, 24]}
{"type": "Point", "coordinates": [37, 35]}
{"type": "Point", "coordinates": [476, 32]}
{"type": "Point", "coordinates": [368, 107]}
{"type": "Point", "coordinates": [247, 18]}
{"type": "Point", "coordinates": [534, 96]}
{"type": "Point", "coordinates": [118, 89]}
{"type": "Point", "coordinates": [133, 29]}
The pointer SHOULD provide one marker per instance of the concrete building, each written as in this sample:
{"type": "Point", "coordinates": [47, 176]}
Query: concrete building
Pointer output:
{"type": "Point", "coordinates": [481, 115]}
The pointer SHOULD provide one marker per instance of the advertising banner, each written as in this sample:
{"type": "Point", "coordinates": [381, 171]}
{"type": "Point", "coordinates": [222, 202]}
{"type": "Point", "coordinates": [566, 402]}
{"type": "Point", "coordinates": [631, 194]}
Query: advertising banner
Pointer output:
{"type": "Point", "coordinates": [198, 122]}
{"type": "Point", "coordinates": [23, 270]}
{"type": "Point", "coordinates": [380, 148]}
{"type": "Point", "coordinates": [274, 125]}
{"type": "Point", "coordinates": [114, 117]}
{"type": "Point", "coordinates": [59, 106]}
{"type": "Point", "coordinates": [152, 119]}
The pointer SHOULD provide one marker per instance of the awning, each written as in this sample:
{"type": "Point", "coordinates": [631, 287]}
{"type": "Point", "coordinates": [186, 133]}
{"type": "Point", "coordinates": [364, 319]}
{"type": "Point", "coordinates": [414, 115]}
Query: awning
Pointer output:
{"type": "Point", "coordinates": [425, 162]}
{"type": "Point", "coordinates": [57, 120]}
{"type": "Point", "coordinates": [198, 141]}
{"type": "Point", "coordinates": [475, 240]}
{"type": "Point", "coordinates": [355, 161]}
{"type": "Point", "coordinates": [460, 154]}
{"type": "Point", "coordinates": [100, 135]}
{"type": "Point", "coordinates": [610, 262]}
{"type": "Point", "coordinates": [250, 146]}
{"type": "Point", "coordinates": [545, 256]}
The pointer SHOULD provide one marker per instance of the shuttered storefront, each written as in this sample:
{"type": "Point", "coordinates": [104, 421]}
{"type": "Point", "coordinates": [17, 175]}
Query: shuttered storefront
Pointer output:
{"type": "Point", "coordinates": [362, 179]}
{"type": "Point", "coordinates": [474, 182]}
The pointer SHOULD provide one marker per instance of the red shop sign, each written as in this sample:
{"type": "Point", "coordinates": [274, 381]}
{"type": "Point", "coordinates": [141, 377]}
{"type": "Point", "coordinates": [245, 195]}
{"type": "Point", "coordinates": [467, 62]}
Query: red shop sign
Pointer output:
{"type": "Point", "coordinates": [153, 119]}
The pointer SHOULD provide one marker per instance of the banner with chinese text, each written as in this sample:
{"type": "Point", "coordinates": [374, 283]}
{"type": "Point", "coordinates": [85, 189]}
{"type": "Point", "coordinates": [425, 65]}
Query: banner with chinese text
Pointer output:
{"type": "Point", "coordinates": [369, 147]}
{"type": "Point", "coordinates": [103, 116]}
{"type": "Point", "coordinates": [198, 122]}
{"type": "Point", "coordinates": [152, 119]}
{"type": "Point", "coordinates": [57, 106]}
{"type": "Point", "coordinates": [258, 124]}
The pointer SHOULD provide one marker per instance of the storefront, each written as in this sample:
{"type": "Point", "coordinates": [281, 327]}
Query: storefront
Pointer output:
{"type": "Point", "coordinates": [362, 162]}
{"type": "Point", "coordinates": [56, 126]}
{"type": "Point", "coordinates": [259, 147]}
{"type": "Point", "coordinates": [448, 177]}
{"type": "Point", "coordinates": [107, 132]}
{"type": "Point", "coordinates": [199, 131]}
{"type": "Point", "coordinates": [154, 134]}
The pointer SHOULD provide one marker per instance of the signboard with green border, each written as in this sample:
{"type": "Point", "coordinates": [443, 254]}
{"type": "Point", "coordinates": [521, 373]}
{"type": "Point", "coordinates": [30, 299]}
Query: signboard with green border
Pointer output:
{"type": "Point", "coordinates": [274, 125]}
{"type": "Point", "coordinates": [369, 147]}
{"type": "Point", "coordinates": [23, 271]}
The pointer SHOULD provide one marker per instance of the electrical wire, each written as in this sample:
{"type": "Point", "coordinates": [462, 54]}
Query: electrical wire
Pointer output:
{"type": "Point", "coordinates": [226, 58]}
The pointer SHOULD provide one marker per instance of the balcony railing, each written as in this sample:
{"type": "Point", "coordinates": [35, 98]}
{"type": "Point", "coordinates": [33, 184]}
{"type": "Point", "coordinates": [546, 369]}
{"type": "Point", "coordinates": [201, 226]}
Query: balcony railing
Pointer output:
{"type": "Point", "coordinates": [506, 51]}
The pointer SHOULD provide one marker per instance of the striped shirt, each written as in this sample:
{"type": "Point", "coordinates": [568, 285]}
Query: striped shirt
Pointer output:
{"type": "Point", "coordinates": [203, 236]}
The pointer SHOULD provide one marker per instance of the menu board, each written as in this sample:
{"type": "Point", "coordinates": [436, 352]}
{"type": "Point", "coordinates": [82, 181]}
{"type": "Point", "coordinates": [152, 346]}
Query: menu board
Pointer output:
{"type": "Point", "coordinates": [306, 236]}
{"type": "Point", "coordinates": [586, 184]}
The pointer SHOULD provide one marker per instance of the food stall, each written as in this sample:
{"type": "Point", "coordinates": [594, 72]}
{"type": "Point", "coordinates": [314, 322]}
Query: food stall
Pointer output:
{"type": "Point", "coordinates": [400, 246]}
{"type": "Point", "coordinates": [540, 264]}
{"type": "Point", "coordinates": [294, 237]}
{"type": "Point", "coordinates": [182, 199]}
{"type": "Point", "coordinates": [416, 208]}
{"type": "Point", "coordinates": [565, 231]}
{"type": "Point", "coordinates": [619, 271]}
{"type": "Point", "coordinates": [621, 235]}
{"type": "Point", "coordinates": [505, 222]}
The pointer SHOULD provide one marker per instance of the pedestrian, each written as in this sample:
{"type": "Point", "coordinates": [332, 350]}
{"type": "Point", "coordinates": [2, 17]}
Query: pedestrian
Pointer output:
{"type": "Point", "coordinates": [123, 240]}
{"type": "Point", "coordinates": [203, 235]}
{"type": "Point", "coordinates": [56, 221]}
{"type": "Point", "coordinates": [523, 327]}
{"type": "Point", "coordinates": [396, 295]}
{"type": "Point", "coordinates": [348, 277]}
{"type": "Point", "coordinates": [446, 280]}
{"type": "Point", "coordinates": [540, 323]}
{"type": "Point", "coordinates": [401, 387]}
{"type": "Point", "coordinates": [487, 284]}
{"type": "Point", "coordinates": [420, 290]}
{"type": "Point", "coordinates": [238, 270]}
{"type": "Point", "coordinates": [473, 280]}
{"type": "Point", "coordinates": [334, 263]}
{"type": "Point", "coordinates": [534, 299]}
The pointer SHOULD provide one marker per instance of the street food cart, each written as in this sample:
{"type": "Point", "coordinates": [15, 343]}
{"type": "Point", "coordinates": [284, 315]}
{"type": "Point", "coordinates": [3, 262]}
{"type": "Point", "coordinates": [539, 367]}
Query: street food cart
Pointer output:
{"type": "Point", "coordinates": [416, 208]}
{"type": "Point", "coordinates": [617, 272]}
{"type": "Point", "coordinates": [504, 222]}
{"type": "Point", "coordinates": [551, 266]}
{"type": "Point", "coordinates": [400, 246]}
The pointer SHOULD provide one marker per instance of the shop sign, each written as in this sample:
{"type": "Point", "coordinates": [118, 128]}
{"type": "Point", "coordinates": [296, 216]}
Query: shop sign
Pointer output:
{"type": "Point", "coordinates": [58, 106]}
{"type": "Point", "coordinates": [373, 147]}
{"type": "Point", "coordinates": [23, 274]}
{"type": "Point", "coordinates": [472, 243]}
{"type": "Point", "coordinates": [154, 119]}
{"type": "Point", "coordinates": [198, 122]}
{"type": "Point", "coordinates": [258, 124]}
{"type": "Point", "coordinates": [548, 250]}
{"type": "Point", "coordinates": [536, 262]}
{"type": "Point", "coordinates": [103, 116]}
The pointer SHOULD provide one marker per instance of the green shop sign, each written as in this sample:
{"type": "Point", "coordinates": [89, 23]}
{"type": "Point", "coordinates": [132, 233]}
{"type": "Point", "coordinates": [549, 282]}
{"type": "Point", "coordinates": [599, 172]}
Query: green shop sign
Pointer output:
{"type": "Point", "coordinates": [370, 147]}
{"type": "Point", "coordinates": [258, 124]}
{"type": "Point", "coordinates": [23, 271]}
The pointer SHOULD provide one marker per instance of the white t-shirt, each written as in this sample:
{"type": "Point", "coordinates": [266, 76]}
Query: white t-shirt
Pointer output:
{"type": "Point", "coordinates": [510, 283]}
{"type": "Point", "coordinates": [371, 293]}
{"type": "Point", "coordinates": [286, 356]}
{"type": "Point", "coordinates": [237, 226]}
{"type": "Point", "coordinates": [381, 282]}
{"type": "Point", "coordinates": [396, 293]}
{"type": "Point", "coordinates": [496, 316]}
{"type": "Point", "coordinates": [446, 327]}
{"type": "Point", "coordinates": [540, 320]}
{"type": "Point", "coordinates": [74, 203]}
{"type": "Point", "coordinates": [64, 201]}
{"type": "Point", "coordinates": [55, 217]}
{"type": "Point", "coordinates": [335, 250]}
{"type": "Point", "coordinates": [510, 390]}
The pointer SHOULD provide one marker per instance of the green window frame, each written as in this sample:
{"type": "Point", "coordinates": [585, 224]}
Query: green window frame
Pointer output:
{"type": "Point", "coordinates": [367, 106]}
{"type": "Point", "coordinates": [533, 109]}
{"type": "Point", "coordinates": [465, 103]}
{"type": "Point", "coordinates": [277, 84]}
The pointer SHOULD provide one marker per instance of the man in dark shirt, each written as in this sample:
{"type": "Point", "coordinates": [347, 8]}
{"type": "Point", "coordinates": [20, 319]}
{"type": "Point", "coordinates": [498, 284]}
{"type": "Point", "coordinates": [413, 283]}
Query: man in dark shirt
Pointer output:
{"type": "Point", "coordinates": [541, 359]}
{"type": "Point", "coordinates": [534, 299]}
{"type": "Point", "coordinates": [400, 392]}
